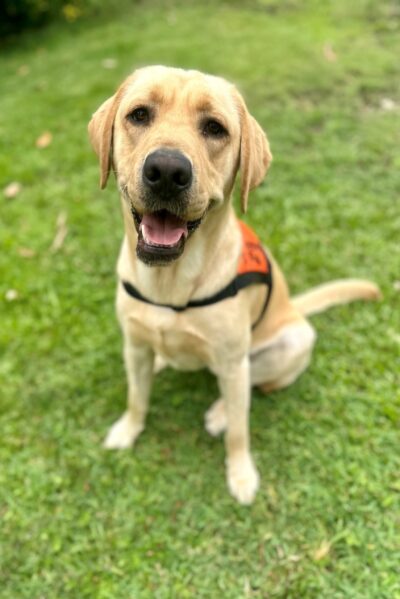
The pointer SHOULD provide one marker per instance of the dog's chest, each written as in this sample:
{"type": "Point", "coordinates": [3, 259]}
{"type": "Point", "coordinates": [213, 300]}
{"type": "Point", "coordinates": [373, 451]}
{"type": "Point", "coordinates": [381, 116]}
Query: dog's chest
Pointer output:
{"type": "Point", "coordinates": [183, 347]}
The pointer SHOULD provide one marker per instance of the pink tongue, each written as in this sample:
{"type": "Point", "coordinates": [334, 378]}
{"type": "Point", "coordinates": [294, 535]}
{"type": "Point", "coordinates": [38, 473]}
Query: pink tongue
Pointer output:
{"type": "Point", "coordinates": [163, 229]}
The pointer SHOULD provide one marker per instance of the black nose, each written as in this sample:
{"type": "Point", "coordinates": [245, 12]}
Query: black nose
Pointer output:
{"type": "Point", "coordinates": [167, 172]}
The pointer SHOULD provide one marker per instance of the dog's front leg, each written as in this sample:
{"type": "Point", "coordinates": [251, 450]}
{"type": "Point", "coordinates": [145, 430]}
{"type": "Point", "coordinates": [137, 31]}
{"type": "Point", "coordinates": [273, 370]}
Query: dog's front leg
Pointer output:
{"type": "Point", "coordinates": [242, 475]}
{"type": "Point", "coordinates": [139, 361]}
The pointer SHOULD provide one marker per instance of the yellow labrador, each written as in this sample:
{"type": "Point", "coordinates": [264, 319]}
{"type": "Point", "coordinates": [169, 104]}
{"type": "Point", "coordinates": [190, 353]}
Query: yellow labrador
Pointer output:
{"type": "Point", "coordinates": [176, 140]}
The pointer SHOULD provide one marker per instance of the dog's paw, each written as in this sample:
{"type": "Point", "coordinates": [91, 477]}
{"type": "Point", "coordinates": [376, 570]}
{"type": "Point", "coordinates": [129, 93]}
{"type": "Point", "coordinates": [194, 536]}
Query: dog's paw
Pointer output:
{"type": "Point", "coordinates": [123, 433]}
{"type": "Point", "coordinates": [243, 479]}
{"type": "Point", "coordinates": [215, 418]}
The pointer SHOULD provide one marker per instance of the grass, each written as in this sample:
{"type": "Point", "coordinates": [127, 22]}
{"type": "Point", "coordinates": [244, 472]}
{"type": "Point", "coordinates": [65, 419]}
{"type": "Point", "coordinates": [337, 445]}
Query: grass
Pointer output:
{"type": "Point", "coordinates": [79, 522]}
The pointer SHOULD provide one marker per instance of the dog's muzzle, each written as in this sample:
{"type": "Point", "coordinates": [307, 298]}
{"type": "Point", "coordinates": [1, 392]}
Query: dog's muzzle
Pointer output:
{"type": "Point", "coordinates": [161, 236]}
{"type": "Point", "coordinates": [162, 229]}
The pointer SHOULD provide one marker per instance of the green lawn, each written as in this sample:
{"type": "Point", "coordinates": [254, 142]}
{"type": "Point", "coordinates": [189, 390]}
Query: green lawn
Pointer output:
{"type": "Point", "coordinates": [80, 522]}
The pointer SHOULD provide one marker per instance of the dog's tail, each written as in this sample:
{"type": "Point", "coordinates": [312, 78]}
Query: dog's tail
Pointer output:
{"type": "Point", "coordinates": [338, 292]}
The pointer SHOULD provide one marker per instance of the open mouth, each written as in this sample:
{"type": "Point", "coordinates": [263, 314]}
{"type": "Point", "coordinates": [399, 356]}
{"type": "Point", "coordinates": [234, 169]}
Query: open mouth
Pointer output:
{"type": "Point", "coordinates": [161, 235]}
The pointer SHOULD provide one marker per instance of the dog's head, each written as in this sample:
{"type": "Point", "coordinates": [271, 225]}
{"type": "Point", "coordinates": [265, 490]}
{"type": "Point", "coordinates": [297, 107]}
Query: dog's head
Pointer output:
{"type": "Point", "coordinates": [176, 140]}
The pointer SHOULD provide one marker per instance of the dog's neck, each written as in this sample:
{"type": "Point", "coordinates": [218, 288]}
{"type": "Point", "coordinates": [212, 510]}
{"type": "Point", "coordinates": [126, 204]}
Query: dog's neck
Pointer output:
{"type": "Point", "coordinates": [213, 248]}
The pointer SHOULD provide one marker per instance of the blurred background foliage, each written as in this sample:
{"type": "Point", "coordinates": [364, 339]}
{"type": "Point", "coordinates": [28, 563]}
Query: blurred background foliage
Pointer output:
{"type": "Point", "coordinates": [18, 15]}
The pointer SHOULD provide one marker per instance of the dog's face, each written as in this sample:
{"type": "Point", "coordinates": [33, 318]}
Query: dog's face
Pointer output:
{"type": "Point", "coordinates": [176, 139]}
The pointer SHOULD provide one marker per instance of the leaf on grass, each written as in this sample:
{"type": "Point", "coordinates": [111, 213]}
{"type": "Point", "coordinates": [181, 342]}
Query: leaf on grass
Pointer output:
{"type": "Point", "coordinates": [109, 63]}
{"type": "Point", "coordinates": [322, 551]}
{"type": "Point", "coordinates": [61, 232]}
{"type": "Point", "coordinates": [26, 252]}
{"type": "Point", "coordinates": [247, 587]}
{"type": "Point", "coordinates": [387, 104]}
{"type": "Point", "coordinates": [294, 558]}
{"type": "Point", "coordinates": [44, 140]}
{"type": "Point", "coordinates": [11, 295]}
{"type": "Point", "coordinates": [12, 190]}
{"type": "Point", "coordinates": [329, 53]}
{"type": "Point", "coordinates": [23, 70]}
{"type": "Point", "coordinates": [71, 12]}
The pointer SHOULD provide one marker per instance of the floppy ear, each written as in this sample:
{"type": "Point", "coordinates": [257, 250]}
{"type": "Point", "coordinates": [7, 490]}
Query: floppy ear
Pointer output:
{"type": "Point", "coordinates": [255, 155]}
{"type": "Point", "coordinates": [100, 130]}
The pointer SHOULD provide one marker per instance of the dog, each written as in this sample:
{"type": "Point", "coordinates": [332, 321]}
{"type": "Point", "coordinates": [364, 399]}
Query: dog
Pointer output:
{"type": "Point", "coordinates": [176, 141]}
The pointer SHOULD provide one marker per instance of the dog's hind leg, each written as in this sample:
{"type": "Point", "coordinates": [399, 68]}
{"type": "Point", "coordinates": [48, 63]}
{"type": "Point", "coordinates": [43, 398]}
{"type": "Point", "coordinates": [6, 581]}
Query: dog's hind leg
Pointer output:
{"type": "Point", "coordinates": [159, 364]}
{"type": "Point", "coordinates": [215, 418]}
{"type": "Point", "coordinates": [278, 362]}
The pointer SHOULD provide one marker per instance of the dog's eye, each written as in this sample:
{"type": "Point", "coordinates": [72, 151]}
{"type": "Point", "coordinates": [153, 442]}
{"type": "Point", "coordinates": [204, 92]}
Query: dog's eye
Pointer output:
{"type": "Point", "coordinates": [212, 128]}
{"type": "Point", "coordinates": [140, 115]}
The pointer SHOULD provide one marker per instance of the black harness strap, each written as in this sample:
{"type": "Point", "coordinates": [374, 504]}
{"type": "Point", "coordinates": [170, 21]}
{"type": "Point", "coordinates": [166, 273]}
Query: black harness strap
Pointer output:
{"type": "Point", "coordinates": [239, 282]}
